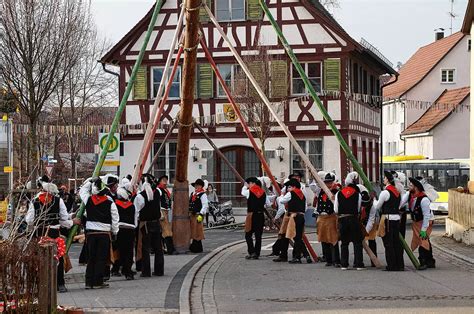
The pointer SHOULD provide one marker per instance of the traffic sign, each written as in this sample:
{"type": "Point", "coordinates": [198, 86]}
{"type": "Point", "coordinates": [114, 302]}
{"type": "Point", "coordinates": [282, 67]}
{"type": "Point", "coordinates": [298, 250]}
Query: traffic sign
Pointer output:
{"type": "Point", "coordinates": [49, 170]}
{"type": "Point", "coordinates": [112, 159]}
{"type": "Point", "coordinates": [8, 169]}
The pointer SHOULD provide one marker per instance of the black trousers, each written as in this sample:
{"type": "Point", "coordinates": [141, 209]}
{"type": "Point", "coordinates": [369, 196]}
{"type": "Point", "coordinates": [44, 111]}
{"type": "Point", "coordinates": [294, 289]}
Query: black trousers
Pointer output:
{"type": "Point", "coordinates": [98, 247]}
{"type": "Point", "coordinates": [393, 247]}
{"type": "Point", "coordinates": [276, 247]}
{"type": "Point", "coordinates": [298, 247]}
{"type": "Point", "coordinates": [403, 224]}
{"type": "Point", "coordinates": [169, 245]}
{"type": "Point", "coordinates": [349, 231]}
{"type": "Point", "coordinates": [426, 256]}
{"type": "Point", "coordinates": [125, 242]}
{"type": "Point", "coordinates": [258, 220]}
{"type": "Point", "coordinates": [151, 239]}
{"type": "Point", "coordinates": [331, 253]}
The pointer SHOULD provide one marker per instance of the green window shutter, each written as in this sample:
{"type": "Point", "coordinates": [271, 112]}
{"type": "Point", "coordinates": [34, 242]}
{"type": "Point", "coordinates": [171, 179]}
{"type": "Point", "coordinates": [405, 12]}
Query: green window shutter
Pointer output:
{"type": "Point", "coordinates": [203, 17]}
{"type": "Point", "coordinates": [255, 68]}
{"type": "Point", "coordinates": [205, 81]}
{"type": "Point", "coordinates": [140, 88]}
{"type": "Point", "coordinates": [279, 78]}
{"type": "Point", "coordinates": [332, 74]}
{"type": "Point", "coordinates": [254, 10]}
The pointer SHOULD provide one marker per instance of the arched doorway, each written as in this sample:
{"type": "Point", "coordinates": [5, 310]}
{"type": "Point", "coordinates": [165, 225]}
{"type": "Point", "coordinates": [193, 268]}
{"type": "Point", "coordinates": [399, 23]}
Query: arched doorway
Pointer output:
{"type": "Point", "coordinates": [246, 162]}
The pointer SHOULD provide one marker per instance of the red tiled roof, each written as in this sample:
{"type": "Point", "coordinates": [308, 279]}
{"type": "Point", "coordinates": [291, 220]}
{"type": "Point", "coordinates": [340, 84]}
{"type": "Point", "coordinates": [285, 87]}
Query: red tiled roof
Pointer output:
{"type": "Point", "coordinates": [440, 110]}
{"type": "Point", "coordinates": [420, 64]}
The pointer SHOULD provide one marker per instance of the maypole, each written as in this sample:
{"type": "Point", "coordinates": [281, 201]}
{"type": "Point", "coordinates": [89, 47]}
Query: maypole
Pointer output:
{"type": "Point", "coordinates": [158, 104]}
{"type": "Point", "coordinates": [181, 227]}
{"type": "Point", "coordinates": [326, 115]}
{"type": "Point", "coordinates": [118, 115]}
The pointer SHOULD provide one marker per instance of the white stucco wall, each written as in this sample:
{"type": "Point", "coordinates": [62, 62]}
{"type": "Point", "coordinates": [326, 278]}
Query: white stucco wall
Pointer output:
{"type": "Point", "coordinates": [471, 175]}
{"type": "Point", "coordinates": [451, 137]}
{"type": "Point", "coordinates": [422, 145]}
{"type": "Point", "coordinates": [127, 162]}
{"type": "Point", "coordinates": [393, 125]}
{"type": "Point", "coordinates": [430, 88]}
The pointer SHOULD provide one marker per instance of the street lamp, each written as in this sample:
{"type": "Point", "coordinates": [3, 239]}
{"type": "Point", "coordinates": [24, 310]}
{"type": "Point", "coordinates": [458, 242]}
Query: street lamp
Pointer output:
{"type": "Point", "coordinates": [194, 153]}
{"type": "Point", "coordinates": [279, 152]}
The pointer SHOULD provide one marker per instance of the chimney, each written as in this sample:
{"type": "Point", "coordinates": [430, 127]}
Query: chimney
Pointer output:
{"type": "Point", "coordinates": [439, 34]}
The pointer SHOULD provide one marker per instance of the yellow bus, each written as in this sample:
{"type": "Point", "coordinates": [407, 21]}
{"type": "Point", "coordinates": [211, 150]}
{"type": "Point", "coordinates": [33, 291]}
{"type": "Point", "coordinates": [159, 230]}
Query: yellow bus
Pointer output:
{"type": "Point", "coordinates": [441, 174]}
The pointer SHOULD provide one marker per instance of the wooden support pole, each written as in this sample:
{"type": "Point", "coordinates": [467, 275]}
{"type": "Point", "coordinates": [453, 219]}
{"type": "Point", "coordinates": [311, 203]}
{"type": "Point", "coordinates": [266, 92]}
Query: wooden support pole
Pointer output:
{"type": "Point", "coordinates": [249, 133]}
{"type": "Point", "coordinates": [162, 146]}
{"type": "Point", "coordinates": [181, 226]}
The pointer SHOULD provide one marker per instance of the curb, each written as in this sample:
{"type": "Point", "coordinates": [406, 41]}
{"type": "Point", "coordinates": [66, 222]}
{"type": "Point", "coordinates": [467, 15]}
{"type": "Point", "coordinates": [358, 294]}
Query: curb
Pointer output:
{"type": "Point", "coordinates": [451, 252]}
{"type": "Point", "coordinates": [185, 292]}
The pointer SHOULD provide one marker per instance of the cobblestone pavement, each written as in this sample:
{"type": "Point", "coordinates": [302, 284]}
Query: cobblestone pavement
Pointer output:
{"type": "Point", "coordinates": [231, 284]}
{"type": "Point", "coordinates": [152, 295]}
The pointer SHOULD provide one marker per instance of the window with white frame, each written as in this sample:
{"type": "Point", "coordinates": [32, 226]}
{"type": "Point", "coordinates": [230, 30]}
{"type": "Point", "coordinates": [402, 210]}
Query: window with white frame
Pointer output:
{"type": "Point", "coordinates": [314, 72]}
{"type": "Point", "coordinates": [313, 149]}
{"type": "Point", "coordinates": [230, 10]}
{"type": "Point", "coordinates": [447, 75]}
{"type": "Point", "coordinates": [157, 74]}
{"type": "Point", "coordinates": [166, 163]}
{"type": "Point", "coordinates": [231, 75]}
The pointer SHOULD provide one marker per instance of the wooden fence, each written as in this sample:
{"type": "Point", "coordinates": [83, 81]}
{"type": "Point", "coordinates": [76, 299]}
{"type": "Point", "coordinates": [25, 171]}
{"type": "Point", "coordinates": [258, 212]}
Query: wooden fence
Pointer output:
{"type": "Point", "coordinates": [461, 208]}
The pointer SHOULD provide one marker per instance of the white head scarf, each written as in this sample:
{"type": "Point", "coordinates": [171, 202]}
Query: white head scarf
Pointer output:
{"type": "Point", "coordinates": [400, 182]}
{"type": "Point", "coordinates": [50, 188]}
{"type": "Point", "coordinates": [322, 174]}
{"type": "Point", "coordinates": [429, 190]}
{"type": "Point", "coordinates": [122, 193]}
{"type": "Point", "coordinates": [146, 186]}
{"type": "Point", "coordinates": [351, 177]}
{"type": "Point", "coordinates": [266, 182]}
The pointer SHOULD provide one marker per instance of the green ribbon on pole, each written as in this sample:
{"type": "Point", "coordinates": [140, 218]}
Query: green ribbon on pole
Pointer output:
{"type": "Point", "coordinates": [118, 115]}
{"type": "Point", "coordinates": [326, 116]}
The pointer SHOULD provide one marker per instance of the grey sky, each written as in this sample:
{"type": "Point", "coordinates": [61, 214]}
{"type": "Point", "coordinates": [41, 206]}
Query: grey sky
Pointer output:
{"type": "Point", "coordinates": [396, 27]}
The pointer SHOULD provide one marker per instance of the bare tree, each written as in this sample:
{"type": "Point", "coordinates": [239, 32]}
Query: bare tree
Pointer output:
{"type": "Point", "coordinates": [86, 88]}
{"type": "Point", "coordinates": [254, 110]}
{"type": "Point", "coordinates": [38, 48]}
{"type": "Point", "coordinates": [331, 5]}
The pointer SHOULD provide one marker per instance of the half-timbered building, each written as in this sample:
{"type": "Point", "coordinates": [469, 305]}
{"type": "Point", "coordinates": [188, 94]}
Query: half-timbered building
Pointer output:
{"type": "Point", "coordinates": [345, 73]}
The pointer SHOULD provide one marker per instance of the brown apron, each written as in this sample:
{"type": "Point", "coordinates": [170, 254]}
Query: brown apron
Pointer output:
{"type": "Point", "coordinates": [166, 230]}
{"type": "Point", "coordinates": [139, 241]}
{"type": "Point", "coordinates": [291, 228]}
{"type": "Point", "coordinates": [197, 228]}
{"type": "Point", "coordinates": [416, 241]}
{"type": "Point", "coordinates": [373, 233]}
{"type": "Point", "coordinates": [284, 225]}
{"type": "Point", "coordinates": [248, 222]}
{"type": "Point", "coordinates": [381, 228]}
{"type": "Point", "coordinates": [327, 229]}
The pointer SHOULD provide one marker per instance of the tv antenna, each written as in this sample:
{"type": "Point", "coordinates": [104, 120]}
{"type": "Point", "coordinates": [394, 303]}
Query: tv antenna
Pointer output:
{"type": "Point", "coordinates": [452, 16]}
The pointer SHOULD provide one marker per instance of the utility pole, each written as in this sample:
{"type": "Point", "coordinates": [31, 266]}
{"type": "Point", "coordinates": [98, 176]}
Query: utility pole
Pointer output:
{"type": "Point", "coordinates": [181, 226]}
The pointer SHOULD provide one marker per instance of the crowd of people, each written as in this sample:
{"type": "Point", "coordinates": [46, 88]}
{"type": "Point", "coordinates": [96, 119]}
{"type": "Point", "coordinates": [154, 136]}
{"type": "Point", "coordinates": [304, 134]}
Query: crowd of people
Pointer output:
{"type": "Point", "coordinates": [350, 214]}
{"type": "Point", "coordinates": [125, 224]}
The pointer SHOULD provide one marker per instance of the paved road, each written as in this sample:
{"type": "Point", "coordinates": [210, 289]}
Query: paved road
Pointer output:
{"type": "Point", "coordinates": [231, 284]}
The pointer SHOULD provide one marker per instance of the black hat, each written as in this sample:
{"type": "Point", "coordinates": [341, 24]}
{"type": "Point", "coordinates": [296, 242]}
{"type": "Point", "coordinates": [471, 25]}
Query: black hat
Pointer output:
{"type": "Point", "coordinates": [394, 173]}
{"type": "Point", "coordinates": [389, 176]}
{"type": "Point", "coordinates": [129, 177]}
{"type": "Point", "coordinates": [416, 182]}
{"type": "Point", "coordinates": [294, 183]}
{"type": "Point", "coordinates": [111, 180]}
{"type": "Point", "coordinates": [198, 182]}
{"type": "Point", "coordinates": [162, 177]}
{"type": "Point", "coordinates": [330, 177]}
{"type": "Point", "coordinates": [252, 180]}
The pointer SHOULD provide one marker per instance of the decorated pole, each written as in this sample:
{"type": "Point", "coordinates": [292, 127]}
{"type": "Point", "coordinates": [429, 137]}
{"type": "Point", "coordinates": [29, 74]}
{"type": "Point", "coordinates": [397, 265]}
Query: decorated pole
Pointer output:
{"type": "Point", "coordinates": [158, 104]}
{"type": "Point", "coordinates": [326, 115]}
{"type": "Point", "coordinates": [181, 226]}
{"type": "Point", "coordinates": [247, 131]}
{"type": "Point", "coordinates": [118, 115]}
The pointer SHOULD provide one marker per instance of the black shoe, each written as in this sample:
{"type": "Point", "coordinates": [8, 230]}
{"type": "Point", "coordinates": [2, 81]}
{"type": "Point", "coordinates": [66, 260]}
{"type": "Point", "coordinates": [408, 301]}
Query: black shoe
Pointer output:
{"type": "Point", "coordinates": [145, 275]}
{"type": "Point", "coordinates": [337, 265]}
{"type": "Point", "coordinates": [116, 274]}
{"type": "Point", "coordinates": [432, 264]}
{"type": "Point", "coordinates": [272, 254]}
{"type": "Point", "coordinates": [422, 267]}
{"type": "Point", "coordinates": [254, 256]}
{"type": "Point", "coordinates": [157, 274]}
{"type": "Point", "coordinates": [62, 289]}
{"type": "Point", "coordinates": [248, 256]}
{"type": "Point", "coordinates": [102, 286]}
{"type": "Point", "coordinates": [107, 278]}
{"type": "Point", "coordinates": [89, 287]}
{"type": "Point", "coordinates": [295, 261]}
{"type": "Point", "coordinates": [329, 264]}
{"type": "Point", "coordinates": [280, 259]}
{"type": "Point", "coordinates": [309, 260]}
{"type": "Point", "coordinates": [129, 277]}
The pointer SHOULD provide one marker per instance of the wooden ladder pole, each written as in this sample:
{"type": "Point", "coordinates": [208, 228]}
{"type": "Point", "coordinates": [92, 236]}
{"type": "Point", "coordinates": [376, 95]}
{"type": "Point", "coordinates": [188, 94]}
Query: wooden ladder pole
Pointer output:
{"type": "Point", "coordinates": [162, 146]}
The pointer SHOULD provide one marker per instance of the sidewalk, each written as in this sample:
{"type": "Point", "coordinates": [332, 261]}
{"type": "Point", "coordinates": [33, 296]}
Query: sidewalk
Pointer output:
{"type": "Point", "coordinates": [452, 247]}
